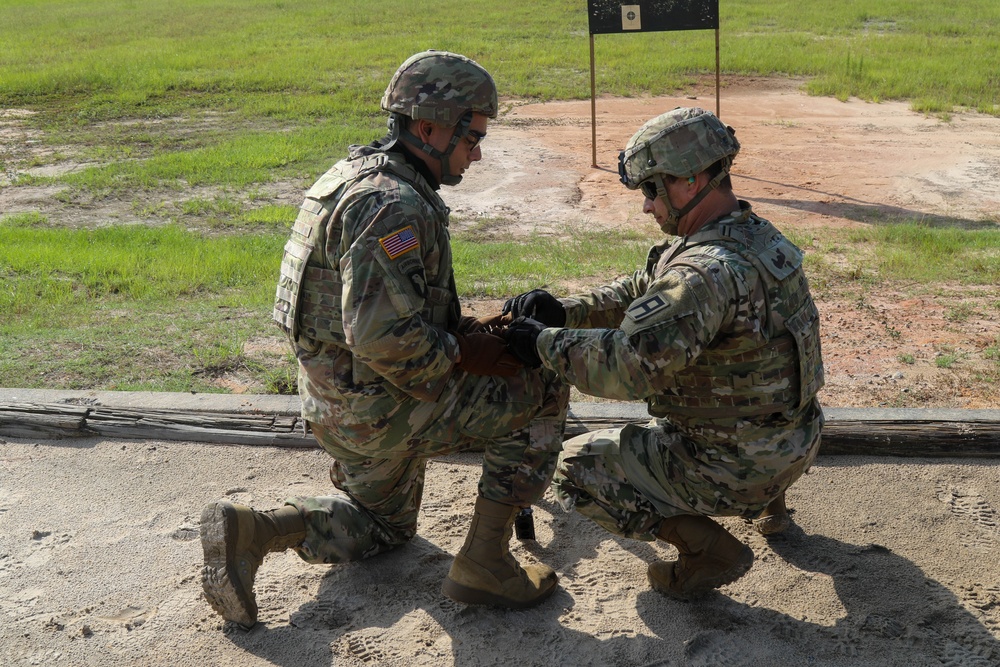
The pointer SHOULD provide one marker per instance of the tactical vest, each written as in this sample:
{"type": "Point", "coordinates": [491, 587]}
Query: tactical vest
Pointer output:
{"type": "Point", "coordinates": [730, 379]}
{"type": "Point", "coordinates": [308, 298]}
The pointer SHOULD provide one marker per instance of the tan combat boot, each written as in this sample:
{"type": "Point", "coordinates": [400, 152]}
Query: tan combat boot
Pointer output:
{"type": "Point", "coordinates": [709, 557]}
{"type": "Point", "coordinates": [484, 572]}
{"type": "Point", "coordinates": [774, 519]}
{"type": "Point", "coordinates": [235, 539]}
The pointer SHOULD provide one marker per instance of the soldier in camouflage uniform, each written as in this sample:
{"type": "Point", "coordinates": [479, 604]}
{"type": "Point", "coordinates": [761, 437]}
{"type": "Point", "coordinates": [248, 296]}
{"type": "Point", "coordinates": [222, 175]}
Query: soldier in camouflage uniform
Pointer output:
{"type": "Point", "coordinates": [718, 333]}
{"type": "Point", "coordinates": [390, 372]}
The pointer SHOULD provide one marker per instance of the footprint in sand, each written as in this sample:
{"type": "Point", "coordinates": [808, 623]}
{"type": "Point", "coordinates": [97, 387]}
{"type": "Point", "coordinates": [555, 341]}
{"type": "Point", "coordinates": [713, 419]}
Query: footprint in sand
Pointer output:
{"type": "Point", "coordinates": [971, 506]}
{"type": "Point", "coordinates": [714, 649]}
{"type": "Point", "coordinates": [187, 531]}
{"type": "Point", "coordinates": [7, 501]}
{"type": "Point", "coordinates": [45, 545]}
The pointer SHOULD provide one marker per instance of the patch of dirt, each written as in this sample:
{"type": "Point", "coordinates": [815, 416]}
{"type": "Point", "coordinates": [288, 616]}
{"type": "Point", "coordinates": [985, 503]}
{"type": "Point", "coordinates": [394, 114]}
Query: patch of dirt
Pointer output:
{"type": "Point", "coordinates": [807, 163]}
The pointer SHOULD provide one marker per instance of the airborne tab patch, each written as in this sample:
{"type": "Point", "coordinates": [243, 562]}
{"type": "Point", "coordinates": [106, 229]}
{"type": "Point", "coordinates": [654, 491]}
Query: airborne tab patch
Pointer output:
{"type": "Point", "coordinates": [640, 310]}
{"type": "Point", "coordinates": [400, 242]}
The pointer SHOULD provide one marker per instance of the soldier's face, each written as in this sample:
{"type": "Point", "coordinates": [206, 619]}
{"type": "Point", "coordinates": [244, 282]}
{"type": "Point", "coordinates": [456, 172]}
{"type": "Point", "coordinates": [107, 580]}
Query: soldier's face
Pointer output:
{"type": "Point", "coordinates": [680, 192]}
{"type": "Point", "coordinates": [467, 150]}
{"type": "Point", "coordinates": [656, 207]}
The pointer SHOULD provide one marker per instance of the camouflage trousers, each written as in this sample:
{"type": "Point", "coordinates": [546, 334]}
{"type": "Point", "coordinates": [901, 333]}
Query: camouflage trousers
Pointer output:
{"type": "Point", "coordinates": [628, 480]}
{"type": "Point", "coordinates": [518, 422]}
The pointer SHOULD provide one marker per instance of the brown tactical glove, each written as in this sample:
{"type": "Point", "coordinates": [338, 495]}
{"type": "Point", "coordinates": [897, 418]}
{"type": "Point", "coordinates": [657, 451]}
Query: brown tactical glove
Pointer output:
{"type": "Point", "coordinates": [486, 354]}
{"type": "Point", "coordinates": [491, 324]}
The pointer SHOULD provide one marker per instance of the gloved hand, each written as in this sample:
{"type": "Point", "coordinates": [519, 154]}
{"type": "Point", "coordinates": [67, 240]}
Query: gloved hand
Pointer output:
{"type": "Point", "coordinates": [467, 325]}
{"type": "Point", "coordinates": [539, 305]}
{"type": "Point", "coordinates": [491, 324]}
{"type": "Point", "coordinates": [486, 354]}
{"type": "Point", "coordinates": [521, 337]}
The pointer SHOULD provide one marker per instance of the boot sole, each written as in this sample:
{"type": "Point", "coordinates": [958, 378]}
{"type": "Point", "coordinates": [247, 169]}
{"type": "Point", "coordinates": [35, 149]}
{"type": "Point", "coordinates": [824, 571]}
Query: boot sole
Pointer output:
{"type": "Point", "coordinates": [226, 596]}
{"type": "Point", "coordinates": [466, 595]}
{"type": "Point", "coordinates": [737, 570]}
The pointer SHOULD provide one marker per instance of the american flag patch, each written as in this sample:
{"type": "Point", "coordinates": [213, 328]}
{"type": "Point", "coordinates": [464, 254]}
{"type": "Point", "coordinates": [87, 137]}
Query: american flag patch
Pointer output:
{"type": "Point", "coordinates": [402, 241]}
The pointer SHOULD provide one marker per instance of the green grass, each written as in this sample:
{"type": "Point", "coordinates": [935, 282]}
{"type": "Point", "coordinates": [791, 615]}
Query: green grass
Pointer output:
{"type": "Point", "coordinates": [502, 268]}
{"type": "Point", "coordinates": [992, 352]}
{"type": "Point", "coordinates": [910, 252]}
{"type": "Point", "coordinates": [47, 270]}
{"type": "Point", "coordinates": [128, 59]}
{"type": "Point", "coordinates": [175, 93]}
{"type": "Point", "coordinates": [131, 307]}
{"type": "Point", "coordinates": [170, 309]}
{"type": "Point", "coordinates": [948, 359]}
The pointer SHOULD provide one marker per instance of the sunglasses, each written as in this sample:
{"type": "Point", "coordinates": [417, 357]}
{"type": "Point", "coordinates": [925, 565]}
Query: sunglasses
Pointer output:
{"type": "Point", "coordinates": [474, 138]}
{"type": "Point", "coordinates": [648, 188]}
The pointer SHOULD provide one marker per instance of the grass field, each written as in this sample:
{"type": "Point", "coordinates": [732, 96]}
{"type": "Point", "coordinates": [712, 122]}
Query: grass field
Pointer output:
{"type": "Point", "coordinates": [294, 80]}
{"type": "Point", "coordinates": [158, 97]}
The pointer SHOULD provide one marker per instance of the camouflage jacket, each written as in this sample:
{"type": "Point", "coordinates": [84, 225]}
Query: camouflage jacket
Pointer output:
{"type": "Point", "coordinates": [718, 332]}
{"type": "Point", "coordinates": [367, 291]}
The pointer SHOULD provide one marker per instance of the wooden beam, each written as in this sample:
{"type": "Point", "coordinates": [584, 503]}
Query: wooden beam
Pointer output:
{"type": "Point", "coordinates": [876, 432]}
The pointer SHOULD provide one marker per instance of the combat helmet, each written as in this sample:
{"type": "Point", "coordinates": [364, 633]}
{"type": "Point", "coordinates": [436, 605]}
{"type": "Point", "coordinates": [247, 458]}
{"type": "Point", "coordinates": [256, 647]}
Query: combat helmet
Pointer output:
{"type": "Point", "coordinates": [442, 87]}
{"type": "Point", "coordinates": [679, 143]}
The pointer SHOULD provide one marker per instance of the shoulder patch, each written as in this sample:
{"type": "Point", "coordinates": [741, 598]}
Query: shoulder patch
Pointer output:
{"type": "Point", "coordinates": [400, 242]}
{"type": "Point", "coordinates": [640, 310]}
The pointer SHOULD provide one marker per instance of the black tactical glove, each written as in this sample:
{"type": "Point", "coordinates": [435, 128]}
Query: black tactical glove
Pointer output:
{"type": "Point", "coordinates": [486, 354]}
{"type": "Point", "coordinates": [539, 305]}
{"type": "Point", "coordinates": [521, 337]}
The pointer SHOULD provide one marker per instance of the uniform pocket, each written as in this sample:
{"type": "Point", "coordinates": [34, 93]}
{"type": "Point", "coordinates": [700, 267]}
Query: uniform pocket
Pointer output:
{"type": "Point", "coordinates": [804, 327]}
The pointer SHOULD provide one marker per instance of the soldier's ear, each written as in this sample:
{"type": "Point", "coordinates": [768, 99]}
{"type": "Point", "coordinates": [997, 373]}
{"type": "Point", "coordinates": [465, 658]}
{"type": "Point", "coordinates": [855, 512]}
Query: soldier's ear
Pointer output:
{"type": "Point", "coordinates": [425, 129]}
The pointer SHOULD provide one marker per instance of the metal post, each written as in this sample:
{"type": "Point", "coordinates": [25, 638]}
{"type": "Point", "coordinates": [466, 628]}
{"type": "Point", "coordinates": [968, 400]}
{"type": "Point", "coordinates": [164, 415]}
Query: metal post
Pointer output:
{"type": "Point", "coordinates": [593, 105]}
{"type": "Point", "coordinates": [717, 77]}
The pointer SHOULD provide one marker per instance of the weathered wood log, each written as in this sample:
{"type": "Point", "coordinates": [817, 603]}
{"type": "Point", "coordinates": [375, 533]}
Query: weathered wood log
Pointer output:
{"type": "Point", "coordinates": [909, 432]}
{"type": "Point", "coordinates": [917, 438]}
{"type": "Point", "coordinates": [32, 421]}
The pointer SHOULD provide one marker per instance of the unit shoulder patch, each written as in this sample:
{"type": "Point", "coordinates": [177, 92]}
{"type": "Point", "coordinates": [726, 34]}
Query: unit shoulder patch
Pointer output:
{"type": "Point", "coordinates": [399, 242]}
{"type": "Point", "coordinates": [651, 305]}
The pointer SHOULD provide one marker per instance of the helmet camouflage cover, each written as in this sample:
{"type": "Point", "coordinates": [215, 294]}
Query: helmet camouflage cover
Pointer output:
{"type": "Point", "coordinates": [679, 143]}
{"type": "Point", "coordinates": [441, 87]}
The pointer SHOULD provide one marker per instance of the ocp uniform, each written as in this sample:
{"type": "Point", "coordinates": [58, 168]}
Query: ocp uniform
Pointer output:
{"type": "Point", "coordinates": [367, 295]}
{"type": "Point", "coordinates": [720, 336]}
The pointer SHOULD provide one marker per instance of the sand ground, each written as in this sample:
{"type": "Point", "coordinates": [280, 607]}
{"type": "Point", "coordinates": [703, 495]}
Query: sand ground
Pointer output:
{"type": "Point", "coordinates": [890, 562]}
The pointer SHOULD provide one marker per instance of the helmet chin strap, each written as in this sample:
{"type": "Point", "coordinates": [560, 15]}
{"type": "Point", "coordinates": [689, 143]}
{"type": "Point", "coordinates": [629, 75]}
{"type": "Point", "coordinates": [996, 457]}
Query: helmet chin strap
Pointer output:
{"type": "Point", "coordinates": [447, 178]}
{"type": "Point", "coordinates": [671, 224]}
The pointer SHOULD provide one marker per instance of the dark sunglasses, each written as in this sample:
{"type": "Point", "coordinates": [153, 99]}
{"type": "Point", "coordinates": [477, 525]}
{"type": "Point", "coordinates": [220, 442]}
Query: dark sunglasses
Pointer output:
{"type": "Point", "coordinates": [649, 189]}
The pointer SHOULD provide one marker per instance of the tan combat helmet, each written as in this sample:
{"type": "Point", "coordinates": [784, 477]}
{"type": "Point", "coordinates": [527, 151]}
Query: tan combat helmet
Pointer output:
{"type": "Point", "coordinates": [680, 143]}
{"type": "Point", "coordinates": [442, 87]}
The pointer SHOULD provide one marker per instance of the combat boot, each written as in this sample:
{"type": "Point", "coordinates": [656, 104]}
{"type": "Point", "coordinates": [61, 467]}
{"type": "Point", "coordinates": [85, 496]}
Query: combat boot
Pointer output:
{"type": "Point", "coordinates": [484, 571]}
{"type": "Point", "coordinates": [235, 539]}
{"type": "Point", "coordinates": [774, 519]}
{"type": "Point", "coordinates": [709, 557]}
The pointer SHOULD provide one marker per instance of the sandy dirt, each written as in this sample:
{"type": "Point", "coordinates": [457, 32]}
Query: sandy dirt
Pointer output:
{"type": "Point", "coordinates": [890, 561]}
